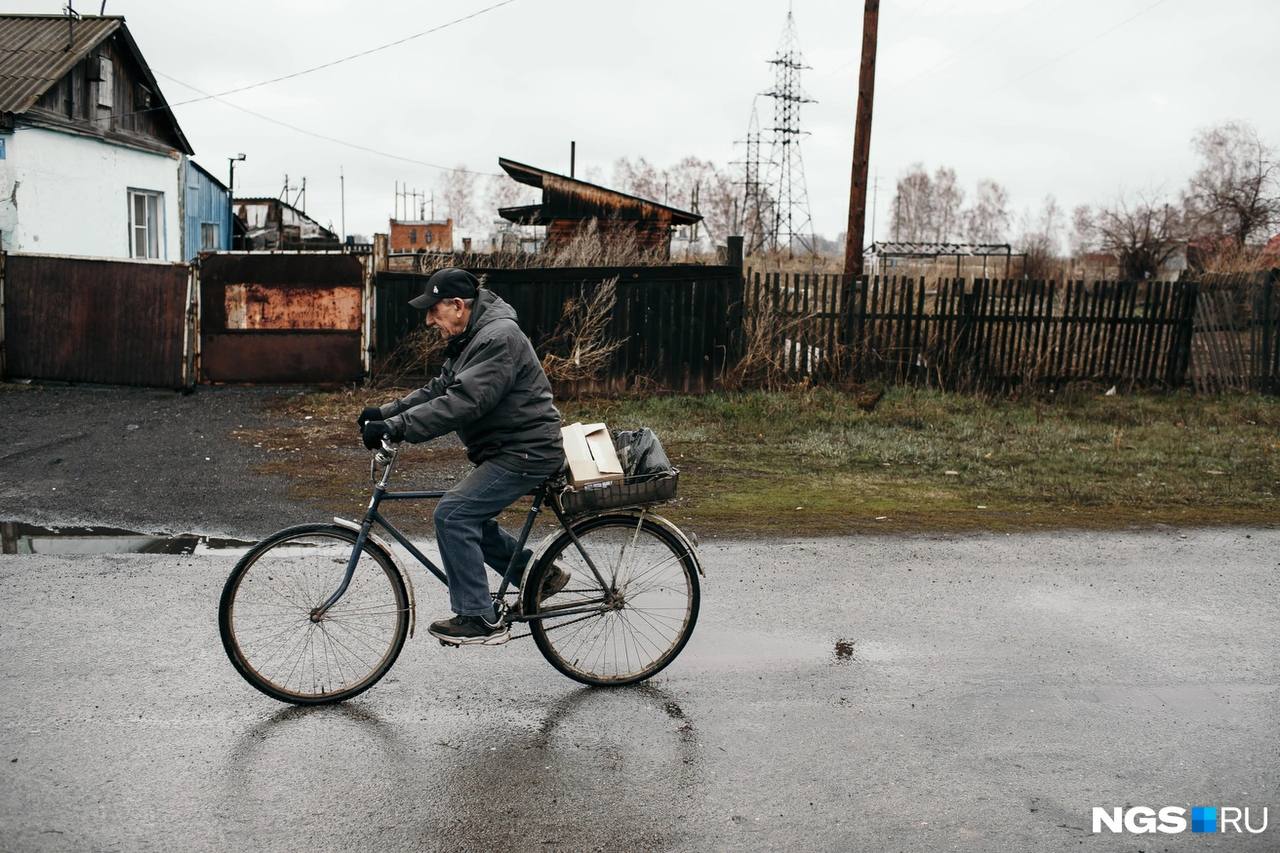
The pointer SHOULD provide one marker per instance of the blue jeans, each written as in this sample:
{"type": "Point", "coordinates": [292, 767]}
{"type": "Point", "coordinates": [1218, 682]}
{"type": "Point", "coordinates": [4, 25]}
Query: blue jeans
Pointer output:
{"type": "Point", "coordinates": [469, 536]}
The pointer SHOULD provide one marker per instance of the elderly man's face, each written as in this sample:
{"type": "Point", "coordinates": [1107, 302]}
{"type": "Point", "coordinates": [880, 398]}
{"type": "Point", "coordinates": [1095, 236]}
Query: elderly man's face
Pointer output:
{"type": "Point", "coordinates": [450, 316]}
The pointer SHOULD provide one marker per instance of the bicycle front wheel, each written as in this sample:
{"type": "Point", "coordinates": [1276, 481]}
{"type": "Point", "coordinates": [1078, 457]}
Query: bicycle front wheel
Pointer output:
{"type": "Point", "coordinates": [265, 616]}
{"type": "Point", "coordinates": [634, 625]}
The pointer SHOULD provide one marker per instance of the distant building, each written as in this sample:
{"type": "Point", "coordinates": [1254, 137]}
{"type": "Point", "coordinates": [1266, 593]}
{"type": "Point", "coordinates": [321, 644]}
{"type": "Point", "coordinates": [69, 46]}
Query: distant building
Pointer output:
{"type": "Point", "coordinates": [92, 160]}
{"type": "Point", "coordinates": [569, 204]}
{"type": "Point", "coordinates": [206, 213]}
{"type": "Point", "coordinates": [421, 235]}
{"type": "Point", "coordinates": [264, 224]}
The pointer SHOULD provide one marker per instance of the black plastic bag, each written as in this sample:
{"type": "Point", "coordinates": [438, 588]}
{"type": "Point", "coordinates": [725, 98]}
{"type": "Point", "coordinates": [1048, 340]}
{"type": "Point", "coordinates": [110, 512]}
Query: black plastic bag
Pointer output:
{"type": "Point", "coordinates": [641, 453]}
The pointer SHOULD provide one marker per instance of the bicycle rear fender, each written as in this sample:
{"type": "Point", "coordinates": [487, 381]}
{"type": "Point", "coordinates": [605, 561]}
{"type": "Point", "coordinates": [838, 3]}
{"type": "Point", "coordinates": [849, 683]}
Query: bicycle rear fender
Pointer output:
{"type": "Point", "coordinates": [689, 541]}
{"type": "Point", "coordinates": [377, 542]}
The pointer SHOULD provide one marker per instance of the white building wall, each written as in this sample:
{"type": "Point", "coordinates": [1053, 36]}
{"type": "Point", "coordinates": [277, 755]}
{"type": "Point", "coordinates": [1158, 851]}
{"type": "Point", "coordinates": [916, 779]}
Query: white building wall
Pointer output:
{"type": "Point", "coordinates": [64, 194]}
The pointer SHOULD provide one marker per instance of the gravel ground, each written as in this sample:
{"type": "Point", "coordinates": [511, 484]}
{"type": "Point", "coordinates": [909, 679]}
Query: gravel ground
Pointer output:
{"type": "Point", "coordinates": [158, 461]}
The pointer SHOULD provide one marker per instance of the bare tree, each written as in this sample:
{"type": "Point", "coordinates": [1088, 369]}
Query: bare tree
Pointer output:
{"type": "Point", "coordinates": [1082, 234]}
{"type": "Point", "coordinates": [927, 209]}
{"type": "Point", "coordinates": [716, 191]}
{"type": "Point", "coordinates": [503, 191]}
{"type": "Point", "coordinates": [1236, 190]}
{"type": "Point", "coordinates": [1041, 240]}
{"type": "Point", "coordinates": [1143, 236]}
{"type": "Point", "coordinates": [912, 206]}
{"type": "Point", "coordinates": [988, 220]}
{"type": "Point", "coordinates": [640, 178]}
{"type": "Point", "coordinates": [947, 199]}
{"type": "Point", "coordinates": [457, 188]}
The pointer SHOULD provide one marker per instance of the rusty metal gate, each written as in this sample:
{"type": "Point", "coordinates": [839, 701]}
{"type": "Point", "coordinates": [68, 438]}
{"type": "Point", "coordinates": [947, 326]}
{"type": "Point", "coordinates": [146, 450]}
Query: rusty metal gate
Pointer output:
{"type": "Point", "coordinates": [281, 318]}
{"type": "Point", "coordinates": [95, 320]}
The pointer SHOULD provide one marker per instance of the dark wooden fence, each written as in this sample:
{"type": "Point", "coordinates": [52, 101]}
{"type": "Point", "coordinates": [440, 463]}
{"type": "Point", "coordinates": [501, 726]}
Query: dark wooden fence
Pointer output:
{"type": "Point", "coordinates": [679, 326]}
{"type": "Point", "coordinates": [971, 335]}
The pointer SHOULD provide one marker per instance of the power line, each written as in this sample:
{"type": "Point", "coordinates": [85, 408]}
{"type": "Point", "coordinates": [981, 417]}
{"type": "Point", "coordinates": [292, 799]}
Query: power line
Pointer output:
{"type": "Point", "coordinates": [332, 139]}
{"type": "Point", "coordinates": [343, 59]}
{"type": "Point", "coordinates": [205, 96]}
{"type": "Point", "coordinates": [1079, 47]}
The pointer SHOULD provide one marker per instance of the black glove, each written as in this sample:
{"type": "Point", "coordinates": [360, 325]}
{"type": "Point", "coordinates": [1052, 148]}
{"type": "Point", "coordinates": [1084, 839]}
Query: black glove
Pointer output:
{"type": "Point", "coordinates": [374, 431]}
{"type": "Point", "coordinates": [370, 413]}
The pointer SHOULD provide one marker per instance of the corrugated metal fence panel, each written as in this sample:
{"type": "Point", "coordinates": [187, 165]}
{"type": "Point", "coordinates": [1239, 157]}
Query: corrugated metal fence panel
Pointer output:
{"type": "Point", "coordinates": [89, 320]}
{"type": "Point", "coordinates": [678, 324]}
{"type": "Point", "coordinates": [281, 318]}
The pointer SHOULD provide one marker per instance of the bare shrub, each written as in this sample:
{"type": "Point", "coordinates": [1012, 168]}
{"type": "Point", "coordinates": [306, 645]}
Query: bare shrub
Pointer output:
{"type": "Point", "coordinates": [581, 349]}
{"type": "Point", "coordinates": [1233, 259]}
{"type": "Point", "coordinates": [764, 361]}
{"type": "Point", "coordinates": [418, 353]}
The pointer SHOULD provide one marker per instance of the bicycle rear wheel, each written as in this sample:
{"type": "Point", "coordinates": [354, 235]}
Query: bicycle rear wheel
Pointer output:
{"type": "Point", "coordinates": [264, 616]}
{"type": "Point", "coordinates": [646, 610]}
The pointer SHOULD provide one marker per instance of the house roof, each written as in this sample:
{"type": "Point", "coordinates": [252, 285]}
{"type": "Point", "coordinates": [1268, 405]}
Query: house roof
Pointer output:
{"type": "Point", "coordinates": [36, 51]}
{"type": "Point", "coordinates": [569, 198]}
{"type": "Point", "coordinates": [208, 174]}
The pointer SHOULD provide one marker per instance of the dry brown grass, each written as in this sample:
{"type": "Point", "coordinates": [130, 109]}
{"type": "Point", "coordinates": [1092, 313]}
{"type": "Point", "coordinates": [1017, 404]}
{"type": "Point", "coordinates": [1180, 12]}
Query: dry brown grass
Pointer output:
{"type": "Point", "coordinates": [590, 247]}
{"type": "Point", "coordinates": [764, 363]}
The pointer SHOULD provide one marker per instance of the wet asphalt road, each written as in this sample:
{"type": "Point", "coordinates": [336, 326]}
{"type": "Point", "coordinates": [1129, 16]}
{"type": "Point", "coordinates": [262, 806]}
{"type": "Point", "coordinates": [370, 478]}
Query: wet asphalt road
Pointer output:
{"type": "Point", "coordinates": [845, 694]}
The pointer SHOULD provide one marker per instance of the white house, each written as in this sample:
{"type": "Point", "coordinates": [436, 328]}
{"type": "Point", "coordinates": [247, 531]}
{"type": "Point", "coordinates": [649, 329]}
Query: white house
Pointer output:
{"type": "Point", "coordinates": [92, 161]}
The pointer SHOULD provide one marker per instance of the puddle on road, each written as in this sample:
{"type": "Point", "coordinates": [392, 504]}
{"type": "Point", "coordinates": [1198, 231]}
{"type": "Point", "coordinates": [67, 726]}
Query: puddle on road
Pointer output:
{"type": "Point", "coordinates": [19, 538]}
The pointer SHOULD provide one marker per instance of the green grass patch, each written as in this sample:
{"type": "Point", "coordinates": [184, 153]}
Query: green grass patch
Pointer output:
{"type": "Point", "coordinates": [812, 462]}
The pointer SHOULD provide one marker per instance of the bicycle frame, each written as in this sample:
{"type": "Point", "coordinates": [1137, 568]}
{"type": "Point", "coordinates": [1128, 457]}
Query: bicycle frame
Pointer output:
{"type": "Point", "coordinates": [387, 457]}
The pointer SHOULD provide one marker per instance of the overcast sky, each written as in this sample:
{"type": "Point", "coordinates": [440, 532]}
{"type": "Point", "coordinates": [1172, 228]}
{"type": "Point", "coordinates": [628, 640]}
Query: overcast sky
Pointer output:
{"type": "Point", "coordinates": [1083, 99]}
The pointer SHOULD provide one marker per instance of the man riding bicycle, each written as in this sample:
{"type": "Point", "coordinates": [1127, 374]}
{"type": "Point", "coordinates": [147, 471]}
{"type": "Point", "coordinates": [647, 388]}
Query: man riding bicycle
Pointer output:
{"type": "Point", "coordinates": [494, 393]}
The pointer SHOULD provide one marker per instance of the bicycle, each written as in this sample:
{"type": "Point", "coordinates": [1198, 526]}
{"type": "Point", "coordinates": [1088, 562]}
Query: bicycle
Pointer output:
{"type": "Point", "coordinates": [318, 613]}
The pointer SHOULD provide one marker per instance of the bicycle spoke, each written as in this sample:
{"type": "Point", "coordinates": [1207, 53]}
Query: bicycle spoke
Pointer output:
{"type": "Point", "coordinates": [282, 650]}
{"type": "Point", "coordinates": [653, 572]}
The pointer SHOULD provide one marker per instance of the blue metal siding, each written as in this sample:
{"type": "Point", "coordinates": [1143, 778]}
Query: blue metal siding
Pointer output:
{"type": "Point", "coordinates": [205, 201]}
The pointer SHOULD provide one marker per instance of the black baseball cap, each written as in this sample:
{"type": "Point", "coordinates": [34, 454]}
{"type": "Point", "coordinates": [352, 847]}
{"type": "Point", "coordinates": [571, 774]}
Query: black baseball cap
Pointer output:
{"type": "Point", "coordinates": [451, 283]}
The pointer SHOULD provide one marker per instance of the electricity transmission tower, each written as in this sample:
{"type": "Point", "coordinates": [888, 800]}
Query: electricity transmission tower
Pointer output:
{"type": "Point", "coordinates": [792, 223]}
{"type": "Point", "coordinates": [756, 223]}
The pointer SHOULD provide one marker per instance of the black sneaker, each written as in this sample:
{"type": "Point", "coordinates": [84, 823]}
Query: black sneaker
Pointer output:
{"type": "Point", "coordinates": [469, 631]}
{"type": "Point", "coordinates": [556, 581]}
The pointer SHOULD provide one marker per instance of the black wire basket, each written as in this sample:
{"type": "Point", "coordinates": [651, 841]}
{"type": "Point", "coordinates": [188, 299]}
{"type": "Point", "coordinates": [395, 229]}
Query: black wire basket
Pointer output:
{"type": "Point", "coordinates": [631, 491]}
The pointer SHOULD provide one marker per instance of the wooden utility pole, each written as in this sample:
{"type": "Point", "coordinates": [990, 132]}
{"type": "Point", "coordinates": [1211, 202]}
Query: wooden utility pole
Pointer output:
{"type": "Point", "coordinates": [862, 142]}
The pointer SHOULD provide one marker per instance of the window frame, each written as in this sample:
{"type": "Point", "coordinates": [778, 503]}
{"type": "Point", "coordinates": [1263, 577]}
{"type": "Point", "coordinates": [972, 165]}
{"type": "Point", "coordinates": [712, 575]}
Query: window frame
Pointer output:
{"type": "Point", "coordinates": [153, 226]}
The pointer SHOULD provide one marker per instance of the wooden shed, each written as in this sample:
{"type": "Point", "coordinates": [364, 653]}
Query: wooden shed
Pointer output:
{"type": "Point", "coordinates": [569, 204]}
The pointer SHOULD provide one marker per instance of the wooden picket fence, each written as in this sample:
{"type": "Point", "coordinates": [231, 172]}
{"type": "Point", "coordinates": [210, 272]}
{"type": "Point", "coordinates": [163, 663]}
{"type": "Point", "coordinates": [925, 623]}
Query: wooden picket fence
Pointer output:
{"type": "Point", "coordinates": [988, 335]}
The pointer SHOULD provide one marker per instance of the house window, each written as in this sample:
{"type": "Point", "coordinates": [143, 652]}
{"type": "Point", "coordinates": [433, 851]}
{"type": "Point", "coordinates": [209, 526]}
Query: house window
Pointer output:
{"type": "Point", "coordinates": [426, 237]}
{"type": "Point", "coordinates": [106, 81]}
{"type": "Point", "coordinates": [209, 237]}
{"type": "Point", "coordinates": [146, 213]}
{"type": "Point", "coordinates": [413, 236]}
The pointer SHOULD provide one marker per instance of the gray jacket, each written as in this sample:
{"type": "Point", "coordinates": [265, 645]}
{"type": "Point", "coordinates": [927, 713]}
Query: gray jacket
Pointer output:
{"type": "Point", "coordinates": [492, 391]}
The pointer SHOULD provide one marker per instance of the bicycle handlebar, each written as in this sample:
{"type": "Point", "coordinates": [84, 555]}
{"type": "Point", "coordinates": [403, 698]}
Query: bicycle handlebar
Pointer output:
{"type": "Point", "coordinates": [383, 456]}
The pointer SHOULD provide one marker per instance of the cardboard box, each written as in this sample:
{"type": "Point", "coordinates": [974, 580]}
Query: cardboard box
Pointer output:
{"type": "Point", "coordinates": [592, 459]}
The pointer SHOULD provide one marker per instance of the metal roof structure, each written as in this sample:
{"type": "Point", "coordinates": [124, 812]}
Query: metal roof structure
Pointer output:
{"type": "Point", "coordinates": [905, 249]}
{"type": "Point", "coordinates": [36, 51]}
{"type": "Point", "coordinates": [564, 197]}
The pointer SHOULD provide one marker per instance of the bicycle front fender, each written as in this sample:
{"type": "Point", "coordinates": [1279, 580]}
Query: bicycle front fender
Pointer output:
{"type": "Point", "coordinates": [378, 543]}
